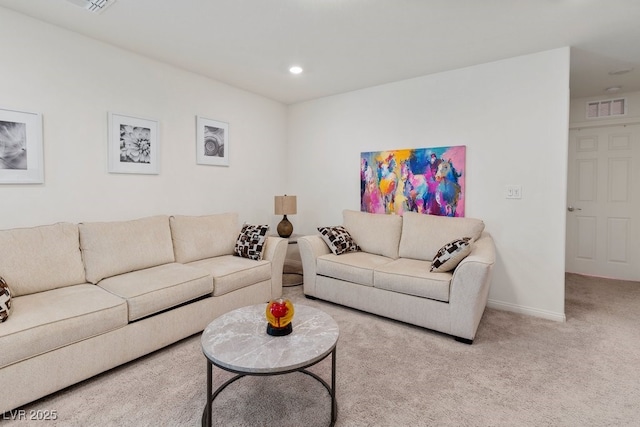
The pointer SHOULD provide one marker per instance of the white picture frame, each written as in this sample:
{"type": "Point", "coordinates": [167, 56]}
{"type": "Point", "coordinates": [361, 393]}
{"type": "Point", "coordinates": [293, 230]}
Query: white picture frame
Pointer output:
{"type": "Point", "coordinates": [133, 145]}
{"type": "Point", "coordinates": [21, 147]}
{"type": "Point", "coordinates": [212, 142]}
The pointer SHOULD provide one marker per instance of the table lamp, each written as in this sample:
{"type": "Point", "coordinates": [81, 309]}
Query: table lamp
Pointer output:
{"type": "Point", "coordinates": [285, 205]}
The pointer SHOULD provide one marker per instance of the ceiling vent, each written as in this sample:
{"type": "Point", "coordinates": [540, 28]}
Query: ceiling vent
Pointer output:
{"type": "Point", "coordinates": [606, 108]}
{"type": "Point", "coordinates": [94, 6]}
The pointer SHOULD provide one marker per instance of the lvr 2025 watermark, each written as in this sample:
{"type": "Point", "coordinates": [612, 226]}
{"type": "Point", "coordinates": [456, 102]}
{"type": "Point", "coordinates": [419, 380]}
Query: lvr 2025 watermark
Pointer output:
{"type": "Point", "coordinates": [31, 415]}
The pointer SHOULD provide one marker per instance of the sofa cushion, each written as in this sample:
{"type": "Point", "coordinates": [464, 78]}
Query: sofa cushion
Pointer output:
{"type": "Point", "coordinates": [412, 277]}
{"type": "Point", "coordinates": [5, 300]}
{"type": "Point", "coordinates": [200, 237]}
{"type": "Point", "coordinates": [154, 289]}
{"type": "Point", "coordinates": [423, 235]}
{"type": "Point", "coordinates": [41, 258]}
{"type": "Point", "coordinates": [338, 239]}
{"type": "Point", "coordinates": [48, 320]}
{"type": "Point", "coordinates": [377, 234]}
{"type": "Point", "coordinates": [355, 267]}
{"type": "Point", "coordinates": [232, 272]}
{"type": "Point", "coordinates": [449, 256]}
{"type": "Point", "coordinates": [111, 248]}
{"type": "Point", "coordinates": [250, 242]}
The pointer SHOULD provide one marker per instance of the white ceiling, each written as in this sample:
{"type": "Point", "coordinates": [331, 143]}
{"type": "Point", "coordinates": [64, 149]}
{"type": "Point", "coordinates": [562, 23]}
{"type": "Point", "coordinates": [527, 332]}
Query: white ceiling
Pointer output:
{"type": "Point", "coordinates": [345, 45]}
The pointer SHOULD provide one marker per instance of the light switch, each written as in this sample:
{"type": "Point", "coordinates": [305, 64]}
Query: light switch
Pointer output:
{"type": "Point", "coordinates": [513, 191]}
{"type": "Point", "coordinates": [517, 192]}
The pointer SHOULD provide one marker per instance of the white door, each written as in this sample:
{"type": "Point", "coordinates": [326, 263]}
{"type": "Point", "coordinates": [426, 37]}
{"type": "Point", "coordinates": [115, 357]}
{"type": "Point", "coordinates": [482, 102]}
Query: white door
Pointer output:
{"type": "Point", "coordinates": [603, 202]}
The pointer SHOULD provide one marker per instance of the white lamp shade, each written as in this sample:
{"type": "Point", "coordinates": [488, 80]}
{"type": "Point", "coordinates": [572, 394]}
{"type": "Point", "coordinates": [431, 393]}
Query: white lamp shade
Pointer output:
{"type": "Point", "coordinates": [285, 205]}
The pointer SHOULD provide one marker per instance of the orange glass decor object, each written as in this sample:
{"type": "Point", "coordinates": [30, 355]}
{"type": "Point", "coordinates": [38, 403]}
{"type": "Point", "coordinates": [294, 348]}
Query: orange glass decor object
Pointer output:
{"type": "Point", "coordinates": [279, 315]}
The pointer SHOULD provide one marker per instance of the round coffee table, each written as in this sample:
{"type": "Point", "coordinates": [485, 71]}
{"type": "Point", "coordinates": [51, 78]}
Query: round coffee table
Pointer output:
{"type": "Point", "coordinates": [238, 342]}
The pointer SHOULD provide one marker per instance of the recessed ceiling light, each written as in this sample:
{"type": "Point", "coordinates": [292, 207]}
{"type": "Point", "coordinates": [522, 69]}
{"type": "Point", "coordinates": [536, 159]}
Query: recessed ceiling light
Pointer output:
{"type": "Point", "coordinates": [621, 71]}
{"type": "Point", "coordinates": [613, 89]}
{"type": "Point", "coordinates": [295, 69]}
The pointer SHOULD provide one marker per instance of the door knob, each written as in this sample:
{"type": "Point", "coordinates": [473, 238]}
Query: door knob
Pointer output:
{"type": "Point", "coordinates": [571, 209]}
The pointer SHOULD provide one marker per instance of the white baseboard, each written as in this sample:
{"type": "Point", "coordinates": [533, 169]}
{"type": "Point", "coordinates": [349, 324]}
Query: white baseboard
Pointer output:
{"type": "Point", "coordinates": [529, 311]}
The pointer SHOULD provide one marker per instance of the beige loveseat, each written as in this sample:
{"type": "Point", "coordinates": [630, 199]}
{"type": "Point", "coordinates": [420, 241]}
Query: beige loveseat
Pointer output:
{"type": "Point", "coordinates": [391, 275]}
{"type": "Point", "coordinates": [88, 297]}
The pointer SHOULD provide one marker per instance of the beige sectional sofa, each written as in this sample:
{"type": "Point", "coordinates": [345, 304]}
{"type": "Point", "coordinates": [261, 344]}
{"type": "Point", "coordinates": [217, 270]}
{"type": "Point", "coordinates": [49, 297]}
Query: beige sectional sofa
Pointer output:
{"type": "Point", "coordinates": [390, 275]}
{"type": "Point", "coordinates": [88, 297]}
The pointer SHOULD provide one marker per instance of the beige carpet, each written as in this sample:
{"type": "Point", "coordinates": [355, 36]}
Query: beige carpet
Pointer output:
{"type": "Point", "coordinates": [520, 371]}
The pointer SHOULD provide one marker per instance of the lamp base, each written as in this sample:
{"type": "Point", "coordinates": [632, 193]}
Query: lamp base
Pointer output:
{"type": "Point", "coordinates": [279, 332]}
{"type": "Point", "coordinates": [285, 228]}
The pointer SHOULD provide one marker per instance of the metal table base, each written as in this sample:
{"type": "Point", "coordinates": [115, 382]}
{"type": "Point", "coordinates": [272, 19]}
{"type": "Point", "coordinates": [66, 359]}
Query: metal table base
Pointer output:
{"type": "Point", "coordinates": [207, 413]}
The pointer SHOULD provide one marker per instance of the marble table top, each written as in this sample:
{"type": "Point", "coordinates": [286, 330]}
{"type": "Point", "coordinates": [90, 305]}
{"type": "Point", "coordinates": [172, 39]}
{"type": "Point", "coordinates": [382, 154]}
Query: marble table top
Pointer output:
{"type": "Point", "coordinates": [238, 340]}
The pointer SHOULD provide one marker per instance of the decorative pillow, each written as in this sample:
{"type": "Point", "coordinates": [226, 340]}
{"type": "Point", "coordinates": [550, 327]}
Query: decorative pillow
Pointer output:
{"type": "Point", "coordinates": [338, 239]}
{"type": "Point", "coordinates": [5, 300]}
{"type": "Point", "coordinates": [250, 243]}
{"type": "Point", "coordinates": [450, 255]}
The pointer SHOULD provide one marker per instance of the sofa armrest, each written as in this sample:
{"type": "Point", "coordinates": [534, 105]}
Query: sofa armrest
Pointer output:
{"type": "Point", "coordinates": [311, 247]}
{"type": "Point", "coordinates": [275, 251]}
{"type": "Point", "coordinates": [470, 288]}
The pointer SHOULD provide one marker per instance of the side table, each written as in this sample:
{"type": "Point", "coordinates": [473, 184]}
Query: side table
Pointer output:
{"type": "Point", "coordinates": [292, 271]}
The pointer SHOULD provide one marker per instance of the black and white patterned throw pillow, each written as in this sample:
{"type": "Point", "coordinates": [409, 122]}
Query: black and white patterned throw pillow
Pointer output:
{"type": "Point", "coordinates": [338, 239]}
{"type": "Point", "coordinates": [450, 255]}
{"type": "Point", "coordinates": [5, 300]}
{"type": "Point", "coordinates": [250, 243]}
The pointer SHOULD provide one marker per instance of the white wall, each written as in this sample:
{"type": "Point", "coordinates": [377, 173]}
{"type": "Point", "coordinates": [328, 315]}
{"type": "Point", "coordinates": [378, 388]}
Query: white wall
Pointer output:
{"type": "Point", "coordinates": [513, 117]}
{"type": "Point", "coordinates": [74, 81]}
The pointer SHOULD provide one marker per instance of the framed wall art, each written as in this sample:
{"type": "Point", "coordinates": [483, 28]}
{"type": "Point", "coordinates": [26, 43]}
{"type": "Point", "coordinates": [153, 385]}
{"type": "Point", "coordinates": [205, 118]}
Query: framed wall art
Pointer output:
{"type": "Point", "coordinates": [21, 148]}
{"type": "Point", "coordinates": [134, 145]}
{"type": "Point", "coordinates": [212, 142]}
{"type": "Point", "coordinates": [425, 180]}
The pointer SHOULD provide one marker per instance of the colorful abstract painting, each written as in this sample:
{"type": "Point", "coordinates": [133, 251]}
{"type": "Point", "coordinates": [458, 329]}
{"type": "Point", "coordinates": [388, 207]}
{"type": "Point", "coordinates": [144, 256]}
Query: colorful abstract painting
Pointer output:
{"type": "Point", "coordinates": [424, 180]}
